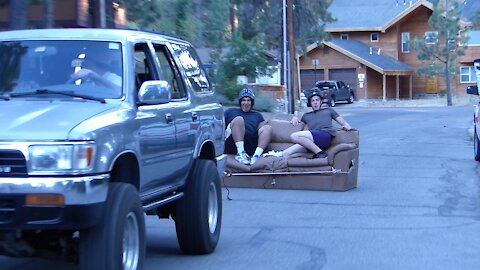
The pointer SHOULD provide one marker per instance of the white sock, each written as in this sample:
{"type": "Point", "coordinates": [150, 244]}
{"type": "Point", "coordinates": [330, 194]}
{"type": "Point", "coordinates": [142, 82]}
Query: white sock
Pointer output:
{"type": "Point", "coordinates": [258, 151]}
{"type": "Point", "coordinates": [240, 147]}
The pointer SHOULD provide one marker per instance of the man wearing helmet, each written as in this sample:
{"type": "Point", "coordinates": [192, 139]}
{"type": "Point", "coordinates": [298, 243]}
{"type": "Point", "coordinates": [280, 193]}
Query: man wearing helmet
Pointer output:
{"type": "Point", "coordinates": [319, 135]}
{"type": "Point", "coordinates": [249, 133]}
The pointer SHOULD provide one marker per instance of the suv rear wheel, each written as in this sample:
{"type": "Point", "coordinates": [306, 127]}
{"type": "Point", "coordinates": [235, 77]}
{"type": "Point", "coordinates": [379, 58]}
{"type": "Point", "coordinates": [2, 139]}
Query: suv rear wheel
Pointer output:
{"type": "Point", "coordinates": [332, 102]}
{"type": "Point", "coordinates": [198, 215]}
{"type": "Point", "coordinates": [351, 99]}
{"type": "Point", "coordinates": [118, 241]}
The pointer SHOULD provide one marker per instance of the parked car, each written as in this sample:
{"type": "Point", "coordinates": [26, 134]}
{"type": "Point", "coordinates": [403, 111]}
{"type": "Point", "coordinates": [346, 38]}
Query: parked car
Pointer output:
{"type": "Point", "coordinates": [335, 91]}
{"type": "Point", "coordinates": [100, 127]}
{"type": "Point", "coordinates": [473, 90]}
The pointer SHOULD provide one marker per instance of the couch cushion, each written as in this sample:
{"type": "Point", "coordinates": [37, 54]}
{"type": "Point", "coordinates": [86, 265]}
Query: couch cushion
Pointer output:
{"type": "Point", "coordinates": [278, 146]}
{"type": "Point", "coordinates": [234, 166]}
{"type": "Point", "coordinates": [264, 164]}
{"type": "Point", "coordinates": [307, 162]}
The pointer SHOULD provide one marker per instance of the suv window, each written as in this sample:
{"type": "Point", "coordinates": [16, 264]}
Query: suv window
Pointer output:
{"type": "Point", "coordinates": [191, 63]}
{"type": "Point", "coordinates": [144, 68]}
{"type": "Point", "coordinates": [326, 84]}
{"type": "Point", "coordinates": [169, 72]}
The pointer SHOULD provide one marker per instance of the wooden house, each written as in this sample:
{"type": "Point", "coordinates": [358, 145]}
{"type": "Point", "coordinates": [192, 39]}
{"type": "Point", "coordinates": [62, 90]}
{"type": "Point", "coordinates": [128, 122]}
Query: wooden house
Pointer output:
{"type": "Point", "coordinates": [371, 50]}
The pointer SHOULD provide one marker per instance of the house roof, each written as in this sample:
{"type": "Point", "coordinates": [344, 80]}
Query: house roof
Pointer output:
{"type": "Point", "coordinates": [369, 56]}
{"type": "Point", "coordinates": [468, 9]}
{"type": "Point", "coordinates": [371, 15]}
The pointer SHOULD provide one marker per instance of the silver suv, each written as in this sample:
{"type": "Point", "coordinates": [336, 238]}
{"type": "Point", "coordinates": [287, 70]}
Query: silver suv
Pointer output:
{"type": "Point", "coordinates": [99, 127]}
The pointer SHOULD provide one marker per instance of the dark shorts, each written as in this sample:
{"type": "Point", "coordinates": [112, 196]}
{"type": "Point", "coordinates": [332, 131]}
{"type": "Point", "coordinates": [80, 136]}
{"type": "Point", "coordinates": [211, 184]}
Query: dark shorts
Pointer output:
{"type": "Point", "coordinates": [321, 138]}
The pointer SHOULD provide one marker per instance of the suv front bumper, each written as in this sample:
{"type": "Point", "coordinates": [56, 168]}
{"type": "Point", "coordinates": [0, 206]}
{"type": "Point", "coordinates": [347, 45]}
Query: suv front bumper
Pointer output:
{"type": "Point", "coordinates": [84, 198]}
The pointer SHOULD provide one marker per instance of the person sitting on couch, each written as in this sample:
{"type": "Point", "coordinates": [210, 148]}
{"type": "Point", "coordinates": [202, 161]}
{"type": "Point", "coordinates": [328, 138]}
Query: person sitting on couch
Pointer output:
{"type": "Point", "coordinates": [249, 133]}
{"type": "Point", "coordinates": [319, 135]}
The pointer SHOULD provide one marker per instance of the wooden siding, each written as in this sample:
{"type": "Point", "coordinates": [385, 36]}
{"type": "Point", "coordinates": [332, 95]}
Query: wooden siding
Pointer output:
{"type": "Point", "coordinates": [329, 59]}
{"type": "Point", "coordinates": [374, 86]}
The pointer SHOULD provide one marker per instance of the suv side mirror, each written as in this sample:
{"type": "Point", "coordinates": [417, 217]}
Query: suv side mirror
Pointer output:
{"type": "Point", "coordinates": [472, 90]}
{"type": "Point", "coordinates": [154, 92]}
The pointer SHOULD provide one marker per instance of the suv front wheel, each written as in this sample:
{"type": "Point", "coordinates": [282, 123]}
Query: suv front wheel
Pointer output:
{"type": "Point", "coordinates": [198, 215]}
{"type": "Point", "coordinates": [118, 241]}
{"type": "Point", "coordinates": [332, 102]}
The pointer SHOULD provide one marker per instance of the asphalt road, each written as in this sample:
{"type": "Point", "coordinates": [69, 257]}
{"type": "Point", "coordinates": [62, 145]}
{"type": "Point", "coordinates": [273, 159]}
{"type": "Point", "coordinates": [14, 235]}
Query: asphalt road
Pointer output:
{"type": "Point", "coordinates": [417, 206]}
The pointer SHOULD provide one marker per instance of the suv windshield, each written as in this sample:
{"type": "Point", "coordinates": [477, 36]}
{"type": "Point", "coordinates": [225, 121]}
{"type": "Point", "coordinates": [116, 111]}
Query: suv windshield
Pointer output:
{"type": "Point", "coordinates": [83, 68]}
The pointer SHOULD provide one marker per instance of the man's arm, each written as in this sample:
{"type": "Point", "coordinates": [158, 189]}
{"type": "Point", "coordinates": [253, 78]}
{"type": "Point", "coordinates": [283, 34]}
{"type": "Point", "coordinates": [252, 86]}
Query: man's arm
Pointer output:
{"type": "Point", "coordinates": [343, 123]}
{"type": "Point", "coordinates": [296, 120]}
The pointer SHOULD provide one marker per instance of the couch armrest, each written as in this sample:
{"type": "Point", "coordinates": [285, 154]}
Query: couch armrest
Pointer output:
{"type": "Point", "coordinates": [334, 150]}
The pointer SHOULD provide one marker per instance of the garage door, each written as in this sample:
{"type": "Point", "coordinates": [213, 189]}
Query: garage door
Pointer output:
{"type": "Point", "coordinates": [347, 75]}
{"type": "Point", "coordinates": [308, 77]}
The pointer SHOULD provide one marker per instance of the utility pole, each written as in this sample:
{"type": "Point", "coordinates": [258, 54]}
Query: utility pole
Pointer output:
{"type": "Point", "coordinates": [102, 13]}
{"type": "Point", "coordinates": [284, 53]}
{"type": "Point", "coordinates": [291, 56]}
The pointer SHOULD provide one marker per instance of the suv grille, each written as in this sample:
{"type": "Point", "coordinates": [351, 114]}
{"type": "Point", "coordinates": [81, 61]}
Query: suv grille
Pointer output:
{"type": "Point", "coordinates": [12, 164]}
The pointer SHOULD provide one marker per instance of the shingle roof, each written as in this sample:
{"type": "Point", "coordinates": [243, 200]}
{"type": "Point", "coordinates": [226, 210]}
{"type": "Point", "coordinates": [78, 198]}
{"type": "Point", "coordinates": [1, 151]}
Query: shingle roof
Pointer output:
{"type": "Point", "coordinates": [371, 15]}
{"type": "Point", "coordinates": [368, 56]}
{"type": "Point", "coordinates": [468, 9]}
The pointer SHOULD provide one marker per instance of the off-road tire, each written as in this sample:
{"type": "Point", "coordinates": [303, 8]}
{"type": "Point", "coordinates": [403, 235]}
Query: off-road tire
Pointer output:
{"type": "Point", "coordinates": [198, 215]}
{"type": "Point", "coordinates": [351, 99]}
{"type": "Point", "coordinates": [118, 241]}
{"type": "Point", "coordinates": [332, 102]}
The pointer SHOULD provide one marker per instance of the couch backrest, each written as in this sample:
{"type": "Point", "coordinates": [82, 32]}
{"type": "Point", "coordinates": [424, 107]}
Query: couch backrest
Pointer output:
{"type": "Point", "coordinates": [282, 129]}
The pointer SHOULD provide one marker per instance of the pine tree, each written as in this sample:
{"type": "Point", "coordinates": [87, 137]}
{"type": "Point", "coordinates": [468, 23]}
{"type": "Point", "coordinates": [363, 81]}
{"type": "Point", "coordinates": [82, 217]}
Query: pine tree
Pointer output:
{"type": "Point", "coordinates": [438, 52]}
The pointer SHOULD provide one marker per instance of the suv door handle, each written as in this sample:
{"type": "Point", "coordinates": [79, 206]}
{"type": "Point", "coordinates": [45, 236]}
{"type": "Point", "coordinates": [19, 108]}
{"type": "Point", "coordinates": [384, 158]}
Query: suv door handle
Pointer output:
{"type": "Point", "coordinates": [168, 117]}
{"type": "Point", "coordinates": [194, 116]}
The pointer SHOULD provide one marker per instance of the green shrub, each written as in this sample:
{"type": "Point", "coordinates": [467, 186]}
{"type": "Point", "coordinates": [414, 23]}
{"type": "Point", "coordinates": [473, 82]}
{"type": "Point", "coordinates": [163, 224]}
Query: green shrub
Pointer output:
{"type": "Point", "coordinates": [442, 92]}
{"type": "Point", "coordinates": [264, 103]}
{"type": "Point", "coordinates": [230, 89]}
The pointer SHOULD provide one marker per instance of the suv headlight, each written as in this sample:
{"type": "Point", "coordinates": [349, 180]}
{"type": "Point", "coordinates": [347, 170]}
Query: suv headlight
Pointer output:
{"type": "Point", "coordinates": [61, 157]}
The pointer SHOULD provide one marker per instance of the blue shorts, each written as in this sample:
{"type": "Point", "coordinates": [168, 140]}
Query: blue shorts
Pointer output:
{"type": "Point", "coordinates": [321, 138]}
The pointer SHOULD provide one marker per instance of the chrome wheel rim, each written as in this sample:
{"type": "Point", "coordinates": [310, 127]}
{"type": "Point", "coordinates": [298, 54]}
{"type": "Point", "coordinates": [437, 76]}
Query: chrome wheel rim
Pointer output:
{"type": "Point", "coordinates": [131, 243]}
{"type": "Point", "coordinates": [212, 207]}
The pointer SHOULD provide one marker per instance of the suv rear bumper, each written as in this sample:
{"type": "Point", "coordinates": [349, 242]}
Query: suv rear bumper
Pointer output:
{"type": "Point", "coordinates": [84, 200]}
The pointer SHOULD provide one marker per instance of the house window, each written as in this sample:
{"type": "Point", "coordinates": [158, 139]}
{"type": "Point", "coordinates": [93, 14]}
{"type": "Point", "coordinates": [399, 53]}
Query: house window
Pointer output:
{"type": "Point", "coordinates": [467, 75]}
{"type": "Point", "coordinates": [405, 42]}
{"type": "Point", "coordinates": [431, 37]}
{"type": "Point", "coordinates": [374, 37]}
{"type": "Point", "coordinates": [344, 36]}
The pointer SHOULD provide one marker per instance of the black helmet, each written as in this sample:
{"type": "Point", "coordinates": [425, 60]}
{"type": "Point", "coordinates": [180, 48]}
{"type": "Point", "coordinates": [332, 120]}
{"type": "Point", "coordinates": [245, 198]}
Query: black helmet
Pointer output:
{"type": "Point", "coordinates": [246, 93]}
{"type": "Point", "coordinates": [313, 92]}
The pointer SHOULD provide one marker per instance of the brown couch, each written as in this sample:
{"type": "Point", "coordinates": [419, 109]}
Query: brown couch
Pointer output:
{"type": "Point", "coordinates": [337, 172]}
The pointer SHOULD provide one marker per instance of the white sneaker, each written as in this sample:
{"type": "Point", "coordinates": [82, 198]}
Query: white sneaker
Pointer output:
{"type": "Point", "coordinates": [254, 159]}
{"type": "Point", "coordinates": [243, 158]}
{"type": "Point", "coordinates": [273, 153]}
